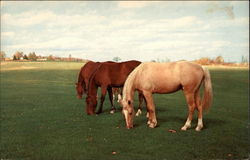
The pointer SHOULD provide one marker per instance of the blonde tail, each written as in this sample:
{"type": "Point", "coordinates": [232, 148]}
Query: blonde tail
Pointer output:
{"type": "Point", "coordinates": [208, 91]}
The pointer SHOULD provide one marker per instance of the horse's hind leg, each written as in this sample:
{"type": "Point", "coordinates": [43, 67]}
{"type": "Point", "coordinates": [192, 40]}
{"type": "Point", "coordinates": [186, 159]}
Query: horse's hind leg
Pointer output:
{"type": "Point", "coordinates": [103, 94]}
{"type": "Point", "coordinates": [199, 106]}
{"type": "Point", "coordinates": [152, 122]}
{"type": "Point", "coordinates": [111, 99]}
{"type": "Point", "coordinates": [191, 107]}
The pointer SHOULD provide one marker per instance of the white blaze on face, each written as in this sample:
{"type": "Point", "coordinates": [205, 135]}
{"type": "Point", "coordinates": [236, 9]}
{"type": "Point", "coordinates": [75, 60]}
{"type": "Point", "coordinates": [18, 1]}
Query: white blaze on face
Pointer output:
{"type": "Point", "coordinates": [125, 112]}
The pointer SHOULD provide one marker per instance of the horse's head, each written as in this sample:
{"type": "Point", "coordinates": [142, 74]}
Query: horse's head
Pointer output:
{"type": "Point", "coordinates": [91, 104]}
{"type": "Point", "coordinates": [128, 112]}
{"type": "Point", "coordinates": [79, 90]}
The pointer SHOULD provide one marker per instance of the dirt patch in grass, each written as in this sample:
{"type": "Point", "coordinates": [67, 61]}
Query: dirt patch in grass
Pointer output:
{"type": "Point", "coordinates": [19, 68]}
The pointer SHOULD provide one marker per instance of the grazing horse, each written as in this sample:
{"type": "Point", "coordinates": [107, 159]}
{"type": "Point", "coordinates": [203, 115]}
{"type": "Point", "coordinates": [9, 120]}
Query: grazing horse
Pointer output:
{"type": "Point", "coordinates": [108, 75]}
{"type": "Point", "coordinates": [83, 79]}
{"type": "Point", "coordinates": [154, 77]}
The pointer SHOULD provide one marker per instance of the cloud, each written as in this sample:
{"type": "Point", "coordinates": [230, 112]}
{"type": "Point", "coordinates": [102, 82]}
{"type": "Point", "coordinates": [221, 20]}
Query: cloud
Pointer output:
{"type": "Point", "coordinates": [135, 4]}
{"type": "Point", "coordinates": [7, 34]}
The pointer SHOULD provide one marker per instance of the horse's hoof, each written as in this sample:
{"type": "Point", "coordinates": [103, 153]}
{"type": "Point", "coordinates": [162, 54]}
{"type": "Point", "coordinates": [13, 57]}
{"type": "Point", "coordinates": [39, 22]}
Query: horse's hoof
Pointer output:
{"type": "Point", "coordinates": [138, 113]}
{"type": "Point", "coordinates": [152, 125]}
{"type": "Point", "coordinates": [184, 128]}
{"type": "Point", "coordinates": [148, 123]}
{"type": "Point", "coordinates": [198, 128]}
{"type": "Point", "coordinates": [112, 112]}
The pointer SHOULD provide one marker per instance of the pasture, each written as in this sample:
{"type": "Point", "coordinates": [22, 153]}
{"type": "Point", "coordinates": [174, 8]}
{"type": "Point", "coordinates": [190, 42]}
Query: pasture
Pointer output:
{"type": "Point", "coordinates": [41, 118]}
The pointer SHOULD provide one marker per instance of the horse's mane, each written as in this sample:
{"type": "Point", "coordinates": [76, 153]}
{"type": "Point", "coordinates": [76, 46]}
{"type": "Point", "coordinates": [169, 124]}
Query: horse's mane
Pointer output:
{"type": "Point", "coordinates": [93, 75]}
{"type": "Point", "coordinates": [80, 78]}
{"type": "Point", "coordinates": [128, 88]}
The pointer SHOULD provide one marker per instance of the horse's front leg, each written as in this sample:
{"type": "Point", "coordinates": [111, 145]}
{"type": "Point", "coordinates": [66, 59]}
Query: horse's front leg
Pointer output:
{"type": "Point", "coordinates": [152, 122]}
{"type": "Point", "coordinates": [103, 94]}
{"type": "Point", "coordinates": [111, 99]}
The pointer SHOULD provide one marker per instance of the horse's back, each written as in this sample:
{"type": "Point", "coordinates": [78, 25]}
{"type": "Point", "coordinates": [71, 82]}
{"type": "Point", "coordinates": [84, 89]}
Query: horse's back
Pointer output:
{"type": "Point", "coordinates": [167, 77]}
{"type": "Point", "coordinates": [114, 73]}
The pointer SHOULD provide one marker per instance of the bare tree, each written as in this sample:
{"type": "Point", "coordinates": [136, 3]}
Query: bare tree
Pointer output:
{"type": "Point", "coordinates": [18, 55]}
{"type": "Point", "coordinates": [117, 59]}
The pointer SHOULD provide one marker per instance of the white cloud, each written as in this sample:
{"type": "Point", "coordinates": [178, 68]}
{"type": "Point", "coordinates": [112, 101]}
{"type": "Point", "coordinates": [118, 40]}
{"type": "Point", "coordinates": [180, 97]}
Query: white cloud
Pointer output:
{"type": "Point", "coordinates": [7, 34]}
{"type": "Point", "coordinates": [135, 4]}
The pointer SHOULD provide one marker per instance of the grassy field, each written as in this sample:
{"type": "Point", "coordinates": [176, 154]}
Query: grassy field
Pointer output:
{"type": "Point", "coordinates": [41, 118]}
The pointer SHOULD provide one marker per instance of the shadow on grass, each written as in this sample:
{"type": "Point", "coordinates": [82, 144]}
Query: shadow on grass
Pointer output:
{"type": "Point", "coordinates": [208, 122]}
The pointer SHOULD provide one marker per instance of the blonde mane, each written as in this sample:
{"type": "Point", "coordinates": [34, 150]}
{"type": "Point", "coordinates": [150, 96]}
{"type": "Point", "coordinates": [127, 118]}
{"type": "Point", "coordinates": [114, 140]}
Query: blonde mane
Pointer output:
{"type": "Point", "coordinates": [128, 87]}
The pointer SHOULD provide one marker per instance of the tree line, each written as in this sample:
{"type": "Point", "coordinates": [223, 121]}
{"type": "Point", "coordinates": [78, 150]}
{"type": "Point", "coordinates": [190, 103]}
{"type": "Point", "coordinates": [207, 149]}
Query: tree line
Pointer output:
{"type": "Point", "coordinates": [32, 56]}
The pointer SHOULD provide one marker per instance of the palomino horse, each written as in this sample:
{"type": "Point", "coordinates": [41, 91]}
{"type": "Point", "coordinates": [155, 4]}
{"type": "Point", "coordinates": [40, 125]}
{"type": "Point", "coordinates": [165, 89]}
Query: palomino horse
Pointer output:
{"type": "Point", "coordinates": [83, 79]}
{"type": "Point", "coordinates": [153, 77]}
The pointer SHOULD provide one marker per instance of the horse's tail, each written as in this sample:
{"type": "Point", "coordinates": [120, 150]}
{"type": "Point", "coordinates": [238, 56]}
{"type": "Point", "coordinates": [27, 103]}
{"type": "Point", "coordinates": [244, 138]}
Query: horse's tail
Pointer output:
{"type": "Point", "coordinates": [208, 91]}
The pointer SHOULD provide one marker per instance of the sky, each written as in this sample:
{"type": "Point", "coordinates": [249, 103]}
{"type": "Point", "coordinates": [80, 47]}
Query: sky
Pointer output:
{"type": "Point", "coordinates": [140, 30]}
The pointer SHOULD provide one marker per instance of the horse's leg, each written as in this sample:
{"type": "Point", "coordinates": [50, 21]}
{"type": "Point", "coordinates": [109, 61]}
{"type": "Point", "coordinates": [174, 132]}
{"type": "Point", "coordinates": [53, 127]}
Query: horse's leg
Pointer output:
{"type": "Point", "coordinates": [103, 94]}
{"type": "Point", "coordinates": [140, 97]}
{"type": "Point", "coordinates": [111, 99]}
{"type": "Point", "coordinates": [152, 122]}
{"type": "Point", "coordinates": [191, 106]}
{"type": "Point", "coordinates": [119, 97]}
{"type": "Point", "coordinates": [199, 106]}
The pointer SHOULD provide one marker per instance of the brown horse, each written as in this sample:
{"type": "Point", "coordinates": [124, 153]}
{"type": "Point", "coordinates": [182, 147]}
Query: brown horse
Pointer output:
{"type": "Point", "coordinates": [83, 80]}
{"type": "Point", "coordinates": [168, 78]}
{"type": "Point", "coordinates": [108, 75]}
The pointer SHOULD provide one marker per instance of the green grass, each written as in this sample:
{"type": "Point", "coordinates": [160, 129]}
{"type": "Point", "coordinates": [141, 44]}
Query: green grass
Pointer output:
{"type": "Point", "coordinates": [41, 118]}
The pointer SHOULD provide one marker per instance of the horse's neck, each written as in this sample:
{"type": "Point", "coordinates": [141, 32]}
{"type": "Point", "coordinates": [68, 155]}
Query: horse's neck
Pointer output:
{"type": "Point", "coordinates": [128, 91]}
{"type": "Point", "coordinates": [92, 90]}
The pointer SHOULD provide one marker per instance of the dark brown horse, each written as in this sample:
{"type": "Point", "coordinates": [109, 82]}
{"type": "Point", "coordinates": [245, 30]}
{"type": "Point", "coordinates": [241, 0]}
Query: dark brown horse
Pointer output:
{"type": "Point", "coordinates": [106, 76]}
{"type": "Point", "coordinates": [88, 73]}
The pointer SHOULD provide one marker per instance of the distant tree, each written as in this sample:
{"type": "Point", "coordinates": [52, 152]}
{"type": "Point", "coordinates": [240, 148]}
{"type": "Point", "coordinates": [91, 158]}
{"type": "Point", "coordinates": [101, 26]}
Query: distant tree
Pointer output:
{"type": "Point", "coordinates": [204, 61]}
{"type": "Point", "coordinates": [244, 59]}
{"type": "Point", "coordinates": [50, 58]}
{"type": "Point", "coordinates": [32, 56]}
{"type": "Point", "coordinates": [163, 60]}
{"type": "Point", "coordinates": [18, 55]}
{"type": "Point", "coordinates": [117, 59]}
{"type": "Point", "coordinates": [70, 57]}
{"type": "Point", "coordinates": [14, 58]}
{"type": "Point", "coordinates": [219, 60]}
{"type": "Point", "coordinates": [2, 56]}
{"type": "Point", "coordinates": [167, 59]}
{"type": "Point", "coordinates": [25, 57]}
